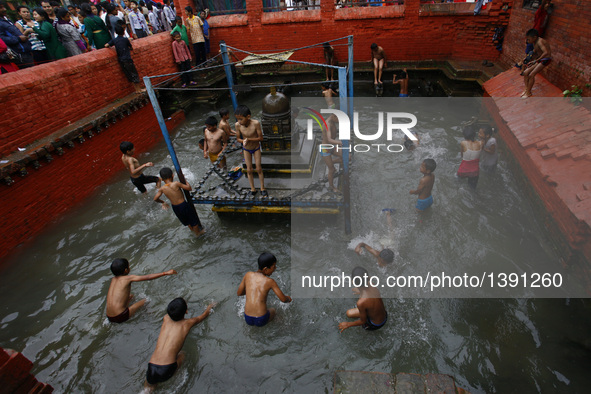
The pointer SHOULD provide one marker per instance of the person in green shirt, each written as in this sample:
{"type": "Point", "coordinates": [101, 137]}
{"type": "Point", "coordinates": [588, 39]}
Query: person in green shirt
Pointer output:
{"type": "Point", "coordinates": [48, 34]}
{"type": "Point", "coordinates": [96, 30]}
{"type": "Point", "coordinates": [182, 29]}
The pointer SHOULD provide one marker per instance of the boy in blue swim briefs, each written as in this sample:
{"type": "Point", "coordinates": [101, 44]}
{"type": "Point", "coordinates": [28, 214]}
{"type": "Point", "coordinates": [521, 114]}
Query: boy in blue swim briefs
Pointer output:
{"type": "Point", "coordinates": [425, 185]}
{"type": "Point", "coordinates": [181, 208]}
{"type": "Point", "coordinates": [250, 134]}
{"type": "Point", "coordinates": [370, 312]}
{"type": "Point", "coordinates": [167, 356]}
{"type": "Point", "coordinates": [256, 287]}
{"type": "Point", "coordinates": [403, 82]}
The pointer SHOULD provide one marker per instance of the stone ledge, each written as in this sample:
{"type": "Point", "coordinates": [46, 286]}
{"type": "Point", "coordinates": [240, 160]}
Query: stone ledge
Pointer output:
{"type": "Point", "coordinates": [393, 11]}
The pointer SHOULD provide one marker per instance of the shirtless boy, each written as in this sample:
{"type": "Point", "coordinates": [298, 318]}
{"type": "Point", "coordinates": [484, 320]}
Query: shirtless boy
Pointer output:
{"type": "Point", "coordinates": [168, 356]}
{"type": "Point", "coordinates": [328, 93]}
{"type": "Point", "coordinates": [385, 257]}
{"type": "Point", "coordinates": [118, 297]}
{"type": "Point", "coordinates": [250, 134]}
{"type": "Point", "coordinates": [135, 169]}
{"type": "Point", "coordinates": [224, 124]}
{"type": "Point", "coordinates": [183, 211]}
{"type": "Point", "coordinates": [403, 82]}
{"type": "Point", "coordinates": [541, 47]}
{"type": "Point", "coordinates": [425, 185]}
{"type": "Point", "coordinates": [256, 287]}
{"type": "Point", "coordinates": [216, 141]}
{"type": "Point", "coordinates": [370, 312]}
{"type": "Point", "coordinates": [330, 60]}
{"type": "Point", "coordinates": [328, 149]}
{"type": "Point", "coordinates": [378, 58]}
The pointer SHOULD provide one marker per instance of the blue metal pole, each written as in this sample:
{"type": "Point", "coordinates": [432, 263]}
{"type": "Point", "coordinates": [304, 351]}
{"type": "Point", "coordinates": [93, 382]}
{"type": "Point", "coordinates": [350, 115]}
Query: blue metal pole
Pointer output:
{"type": "Point", "coordinates": [350, 67]}
{"type": "Point", "coordinates": [175, 160]}
{"type": "Point", "coordinates": [228, 71]}
{"type": "Point", "coordinates": [346, 147]}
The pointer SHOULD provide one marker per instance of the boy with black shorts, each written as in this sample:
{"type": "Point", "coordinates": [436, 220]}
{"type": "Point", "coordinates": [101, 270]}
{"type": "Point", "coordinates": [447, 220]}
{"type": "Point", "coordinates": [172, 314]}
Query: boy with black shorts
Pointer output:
{"type": "Point", "coordinates": [167, 356]}
{"type": "Point", "coordinates": [183, 211]}
{"type": "Point", "coordinates": [135, 169]}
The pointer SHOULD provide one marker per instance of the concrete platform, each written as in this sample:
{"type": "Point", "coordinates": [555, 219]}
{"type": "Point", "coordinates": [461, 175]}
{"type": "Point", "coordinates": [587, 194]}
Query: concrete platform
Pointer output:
{"type": "Point", "coordinates": [551, 141]}
{"type": "Point", "coordinates": [400, 383]}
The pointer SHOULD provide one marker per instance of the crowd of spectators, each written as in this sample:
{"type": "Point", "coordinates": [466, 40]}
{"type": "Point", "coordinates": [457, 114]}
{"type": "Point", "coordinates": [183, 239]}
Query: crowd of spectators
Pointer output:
{"type": "Point", "coordinates": [50, 32]}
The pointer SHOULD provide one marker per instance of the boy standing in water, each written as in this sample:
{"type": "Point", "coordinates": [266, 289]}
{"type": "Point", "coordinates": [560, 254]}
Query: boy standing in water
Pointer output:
{"type": "Point", "coordinates": [168, 356]}
{"type": "Point", "coordinates": [250, 134]}
{"type": "Point", "coordinates": [370, 312]}
{"type": "Point", "coordinates": [403, 82]}
{"type": "Point", "coordinates": [183, 211]}
{"type": "Point", "coordinates": [118, 297]}
{"type": "Point", "coordinates": [134, 168]}
{"type": "Point", "coordinates": [256, 287]}
{"type": "Point", "coordinates": [425, 185]}
{"type": "Point", "coordinates": [216, 141]}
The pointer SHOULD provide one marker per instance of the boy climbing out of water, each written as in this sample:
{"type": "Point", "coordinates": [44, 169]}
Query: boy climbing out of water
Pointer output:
{"type": "Point", "coordinates": [386, 255]}
{"type": "Point", "coordinates": [256, 287]}
{"type": "Point", "coordinates": [328, 149]}
{"type": "Point", "coordinates": [403, 82]}
{"type": "Point", "coordinates": [216, 141]}
{"type": "Point", "coordinates": [370, 312]}
{"type": "Point", "coordinates": [250, 134]}
{"type": "Point", "coordinates": [425, 185]}
{"type": "Point", "coordinates": [183, 211]}
{"type": "Point", "coordinates": [328, 94]}
{"type": "Point", "coordinates": [541, 47]}
{"type": "Point", "coordinates": [330, 60]}
{"type": "Point", "coordinates": [378, 58]}
{"type": "Point", "coordinates": [167, 356]}
{"type": "Point", "coordinates": [118, 297]}
{"type": "Point", "coordinates": [135, 169]}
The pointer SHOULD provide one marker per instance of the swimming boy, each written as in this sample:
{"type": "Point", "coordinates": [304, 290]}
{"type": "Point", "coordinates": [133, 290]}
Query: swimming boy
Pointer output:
{"type": "Point", "coordinates": [403, 82]}
{"type": "Point", "coordinates": [384, 257]}
{"type": "Point", "coordinates": [328, 93]}
{"type": "Point", "coordinates": [542, 47]}
{"type": "Point", "coordinates": [118, 297]}
{"type": "Point", "coordinates": [256, 287]}
{"type": "Point", "coordinates": [327, 150]}
{"type": "Point", "coordinates": [167, 356]}
{"type": "Point", "coordinates": [135, 169]}
{"type": "Point", "coordinates": [250, 134]}
{"type": "Point", "coordinates": [425, 185]}
{"type": "Point", "coordinates": [378, 58]}
{"type": "Point", "coordinates": [216, 141]}
{"type": "Point", "coordinates": [370, 312]}
{"type": "Point", "coordinates": [183, 211]}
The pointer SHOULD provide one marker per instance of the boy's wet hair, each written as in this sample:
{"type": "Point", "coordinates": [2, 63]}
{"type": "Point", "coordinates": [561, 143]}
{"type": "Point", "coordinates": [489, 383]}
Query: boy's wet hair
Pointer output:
{"type": "Point", "coordinates": [374, 45]}
{"type": "Point", "coordinates": [223, 112]}
{"type": "Point", "coordinates": [408, 144]}
{"type": "Point", "coordinates": [242, 110]}
{"type": "Point", "coordinates": [166, 173]}
{"type": "Point", "coordinates": [469, 133]}
{"type": "Point", "coordinates": [201, 141]}
{"type": "Point", "coordinates": [125, 146]}
{"type": "Point", "coordinates": [119, 30]}
{"type": "Point", "coordinates": [325, 85]}
{"type": "Point", "coordinates": [403, 75]}
{"type": "Point", "coordinates": [118, 266]}
{"type": "Point", "coordinates": [326, 45]}
{"type": "Point", "coordinates": [387, 256]}
{"type": "Point", "coordinates": [177, 308]}
{"type": "Point", "coordinates": [488, 131]}
{"type": "Point", "coordinates": [211, 121]}
{"type": "Point", "coordinates": [532, 33]}
{"type": "Point", "coordinates": [430, 165]}
{"type": "Point", "coordinates": [266, 260]}
{"type": "Point", "coordinates": [359, 272]}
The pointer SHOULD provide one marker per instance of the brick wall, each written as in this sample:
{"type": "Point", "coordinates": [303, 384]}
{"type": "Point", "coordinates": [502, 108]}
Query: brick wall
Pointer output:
{"type": "Point", "coordinates": [15, 376]}
{"type": "Point", "coordinates": [568, 35]}
{"type": "Point", "coordinates": [45, 194]}
{"type": "Point", "coordinates": [404, 32]}
{"type": "Point", "coordinates": [45, 98]}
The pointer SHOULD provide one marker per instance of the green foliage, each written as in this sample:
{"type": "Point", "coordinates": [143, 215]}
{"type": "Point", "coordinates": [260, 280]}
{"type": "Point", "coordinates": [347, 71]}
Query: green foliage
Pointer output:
{"type": "Point", "coordinates": [575, 93]}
